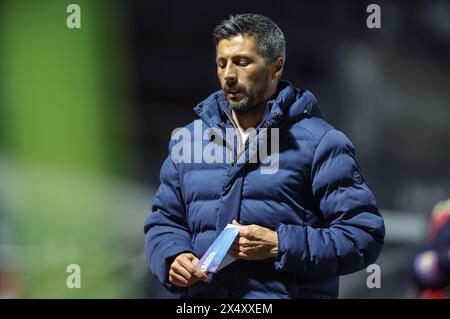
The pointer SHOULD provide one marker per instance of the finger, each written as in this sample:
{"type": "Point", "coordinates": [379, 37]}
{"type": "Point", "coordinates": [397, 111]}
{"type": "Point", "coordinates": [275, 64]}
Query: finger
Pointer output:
{"type": "Point", "coordinates": [234, 222]}
{"type": "Point", "coordinates": [252, 231]}
{"type": "Point", "coordinates": [193, 270]}
{"type": "Point", "coordinates": [204, 276]}
{"type": "Point", "coordinates": [234, 247]}
{"type": "Point", "coordinates": [244, 232]}
{"type": "Point", "coordinates": [243, 250]}
{"type": "Point", "coordinates": [177, 279]}
{"type": "Point", "coordinates": [236, 243]}
{"type": "Point", "coordinates": [180, 270]}
{"type": "Point", "coordinates": [239, 254]}
{"type": "Point", "coordinates": [243, 244]}
{"type": "Point", "coordinates": [193, 259]}
{"type": "Point", "coordinates": [187, 263]}
{"type": "Point", "coordinates": [243, 241]}
{"type": "Point", "coordinates": [189, 256]}
{"type": "Point", "coordinates": [200, 275]}
{"type": "Point", "coordinates": [189, 266]}
{"type": "Point", "coordinates": [244, 256]}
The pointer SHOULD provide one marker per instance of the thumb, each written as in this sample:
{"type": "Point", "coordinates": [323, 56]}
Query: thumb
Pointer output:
{"type": "Point", "coordinates": [190, 256]}
{"type": "Point", "coordinates": [234, 222]}
{"type": "Point", "coordinates": [199, 274]}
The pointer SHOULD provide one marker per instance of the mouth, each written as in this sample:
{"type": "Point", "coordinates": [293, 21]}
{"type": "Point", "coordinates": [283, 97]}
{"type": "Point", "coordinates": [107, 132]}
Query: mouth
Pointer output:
{"type": "Point", "coordinates": [233, 93]}
{"type": "Point", "coordinates": [234, 97]}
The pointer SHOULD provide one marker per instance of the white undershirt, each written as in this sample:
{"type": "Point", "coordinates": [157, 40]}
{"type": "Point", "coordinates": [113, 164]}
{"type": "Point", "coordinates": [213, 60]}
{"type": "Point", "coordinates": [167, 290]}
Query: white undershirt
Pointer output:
{"type": "Point", "coordinates": [243, 134]}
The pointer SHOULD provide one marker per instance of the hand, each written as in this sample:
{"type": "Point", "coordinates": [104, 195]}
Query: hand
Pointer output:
{"type": "Point", "coordinates": [254, 243]}
{"type": "Point", "coordinates": [184, 271]}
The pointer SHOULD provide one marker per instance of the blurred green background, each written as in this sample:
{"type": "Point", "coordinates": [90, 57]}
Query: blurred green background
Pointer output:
{"type": "Point", "coordinates": [64, 95]}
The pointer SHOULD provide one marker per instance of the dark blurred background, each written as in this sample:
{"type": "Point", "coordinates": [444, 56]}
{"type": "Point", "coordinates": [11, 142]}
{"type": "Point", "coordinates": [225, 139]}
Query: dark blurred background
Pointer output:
{"type": "Point", "coordinates": [86, 116]}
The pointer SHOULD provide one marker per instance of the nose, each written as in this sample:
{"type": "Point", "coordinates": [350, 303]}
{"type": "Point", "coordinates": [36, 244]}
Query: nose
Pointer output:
{"type": "Point", "coordinates": [230, 73]}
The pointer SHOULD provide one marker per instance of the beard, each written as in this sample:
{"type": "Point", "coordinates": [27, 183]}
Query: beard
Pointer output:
{"type": "Point", "coordinates": [253, 97]}
{"type": "Point", "coordinates": [245, 105]}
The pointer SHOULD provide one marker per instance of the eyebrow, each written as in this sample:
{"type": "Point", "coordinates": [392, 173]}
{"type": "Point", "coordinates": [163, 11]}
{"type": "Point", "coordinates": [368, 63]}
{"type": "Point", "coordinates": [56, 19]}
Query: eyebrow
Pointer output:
{"type": "Point", "coordinates": [238, 56]}
{"type": "Point", "coordinates": [243, 56]}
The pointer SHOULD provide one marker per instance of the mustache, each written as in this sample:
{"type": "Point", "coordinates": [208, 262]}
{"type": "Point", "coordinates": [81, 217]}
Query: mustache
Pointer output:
{"type": "Point", "coordinates": [237, 87]}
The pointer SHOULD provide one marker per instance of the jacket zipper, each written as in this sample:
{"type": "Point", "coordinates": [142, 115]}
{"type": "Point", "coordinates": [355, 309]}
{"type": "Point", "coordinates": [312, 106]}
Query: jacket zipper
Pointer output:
{"type": "Point", "coordinates": [237, 154]}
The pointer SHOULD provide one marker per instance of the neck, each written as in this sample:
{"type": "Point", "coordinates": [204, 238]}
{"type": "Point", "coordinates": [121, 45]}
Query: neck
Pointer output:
{"type": "Point", "coordinates": [252, 118]}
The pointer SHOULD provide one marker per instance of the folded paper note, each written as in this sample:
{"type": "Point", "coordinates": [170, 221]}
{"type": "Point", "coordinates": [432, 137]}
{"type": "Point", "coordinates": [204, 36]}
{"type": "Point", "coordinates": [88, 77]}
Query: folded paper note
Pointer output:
{"type": "Point", "coordinates": [216, 257]}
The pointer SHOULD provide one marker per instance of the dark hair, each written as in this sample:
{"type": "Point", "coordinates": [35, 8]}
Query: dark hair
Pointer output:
{"type": "Point", "coordinates": [269, 37]}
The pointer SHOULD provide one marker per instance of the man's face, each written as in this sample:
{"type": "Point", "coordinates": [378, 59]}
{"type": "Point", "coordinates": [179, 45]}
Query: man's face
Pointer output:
{"type": "Point", "coordinates": [244, 75]}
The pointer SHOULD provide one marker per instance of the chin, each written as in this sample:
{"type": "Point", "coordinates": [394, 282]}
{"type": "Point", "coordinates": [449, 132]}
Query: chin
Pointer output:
{"type": "Point", "coordinates": [242, 108]}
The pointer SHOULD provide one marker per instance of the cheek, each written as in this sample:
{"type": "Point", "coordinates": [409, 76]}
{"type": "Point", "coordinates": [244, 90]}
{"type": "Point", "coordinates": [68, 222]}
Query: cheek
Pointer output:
{"type": "Point", "coordinates": [253, 83]}
{"type": "Point", "coordinates": [257, 78]}
{"type": "Point", "coordinates": [250, 80]}
{"type": "Point", "coordinates": [221, 79]}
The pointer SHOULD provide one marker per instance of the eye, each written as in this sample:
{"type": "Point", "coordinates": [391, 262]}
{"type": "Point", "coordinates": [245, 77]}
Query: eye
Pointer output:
{"type": "Point", "coordinates": [243, 62]}
{"type": "Point", "coordinates": [221, 64]}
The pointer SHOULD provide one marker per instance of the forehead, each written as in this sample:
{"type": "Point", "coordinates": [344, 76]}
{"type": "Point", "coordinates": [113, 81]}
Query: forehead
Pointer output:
{"type": "Point", "coordinates": [237, 45]}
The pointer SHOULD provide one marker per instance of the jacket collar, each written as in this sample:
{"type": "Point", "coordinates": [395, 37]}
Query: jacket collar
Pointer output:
{"type": "Point", "coordinates": [289, 105]}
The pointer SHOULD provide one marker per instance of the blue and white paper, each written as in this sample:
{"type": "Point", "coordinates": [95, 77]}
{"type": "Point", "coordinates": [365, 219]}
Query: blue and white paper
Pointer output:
{"type": "Point", "coordinates": [217, 257]}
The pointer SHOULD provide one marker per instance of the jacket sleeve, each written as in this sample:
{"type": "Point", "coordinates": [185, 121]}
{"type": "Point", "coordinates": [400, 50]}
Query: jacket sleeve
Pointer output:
{"type": "Point", "coordinates": [166, 230]}
{"type": "Point", "coordinates": [353, 232]}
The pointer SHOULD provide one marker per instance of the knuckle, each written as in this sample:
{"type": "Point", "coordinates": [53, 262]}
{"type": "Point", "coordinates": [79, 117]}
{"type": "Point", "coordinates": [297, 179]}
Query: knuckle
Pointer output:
{"type": "Point", "coordinates": [175, 267]}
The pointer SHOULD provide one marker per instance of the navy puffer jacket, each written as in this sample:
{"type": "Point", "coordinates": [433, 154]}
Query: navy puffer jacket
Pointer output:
{"type": "Point", "coordinates": [317, 200]}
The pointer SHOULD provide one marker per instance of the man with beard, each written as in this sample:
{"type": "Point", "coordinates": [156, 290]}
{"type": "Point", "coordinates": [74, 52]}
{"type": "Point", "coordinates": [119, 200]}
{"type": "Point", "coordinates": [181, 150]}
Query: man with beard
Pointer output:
{"type": "Point", "coordinates": [311, 221]}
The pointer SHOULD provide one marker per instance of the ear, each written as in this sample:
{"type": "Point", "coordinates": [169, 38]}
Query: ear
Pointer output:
{"type": "Point", "coordinates": [278, 68]}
